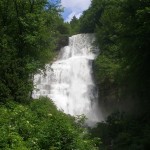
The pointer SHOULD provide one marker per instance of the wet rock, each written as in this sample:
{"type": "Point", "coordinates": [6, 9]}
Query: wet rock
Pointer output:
{"type": "Point", "coordinates": [63, 40]}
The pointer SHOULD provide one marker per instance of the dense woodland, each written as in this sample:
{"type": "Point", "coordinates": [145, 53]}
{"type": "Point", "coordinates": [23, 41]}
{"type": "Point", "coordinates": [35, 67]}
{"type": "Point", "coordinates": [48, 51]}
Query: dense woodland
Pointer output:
{"type": "Point", "coordinates": [122, 71]}
{"type": "Point", "coordinates": [31, 34]}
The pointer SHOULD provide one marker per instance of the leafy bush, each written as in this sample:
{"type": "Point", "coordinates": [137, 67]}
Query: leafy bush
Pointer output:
{"type": "Point", "coordinates": [41, 126]}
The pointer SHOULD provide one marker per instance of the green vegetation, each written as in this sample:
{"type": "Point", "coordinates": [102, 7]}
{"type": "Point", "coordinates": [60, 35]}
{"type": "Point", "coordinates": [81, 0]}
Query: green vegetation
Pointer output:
{"type": "Point", "coordinates": [40, 126]}
{"type": "Point", "coordinates": [29, 33]}
{"type": "Point", "coordinates": [123, 131]}
{"type": "Point", "coordinates": [122, 31]}
{"type": "Point", "coordinates": [74, 26]}
{"type": "Point", "coordinates": [122, 71]}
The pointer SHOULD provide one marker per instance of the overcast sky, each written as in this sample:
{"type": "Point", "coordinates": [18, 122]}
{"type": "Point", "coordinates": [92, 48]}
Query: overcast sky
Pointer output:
{"type": "Point", "coordinates": [74, 8]}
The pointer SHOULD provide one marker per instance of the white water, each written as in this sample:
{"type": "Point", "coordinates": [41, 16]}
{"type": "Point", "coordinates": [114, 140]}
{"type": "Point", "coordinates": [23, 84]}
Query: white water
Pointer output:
{"type": "Point", "coordinates": [68, 81]}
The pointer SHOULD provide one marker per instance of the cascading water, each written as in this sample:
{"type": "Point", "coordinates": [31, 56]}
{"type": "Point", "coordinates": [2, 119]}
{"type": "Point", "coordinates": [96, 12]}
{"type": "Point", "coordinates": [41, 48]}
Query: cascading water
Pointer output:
{"type": "Point", "coordinates": [68, 81]}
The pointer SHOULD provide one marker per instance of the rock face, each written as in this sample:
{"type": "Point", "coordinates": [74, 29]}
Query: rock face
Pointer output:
{"type": "Point", "coordinates": [63, 41]}
{"type": "Point", "coordinates": [111, 99]}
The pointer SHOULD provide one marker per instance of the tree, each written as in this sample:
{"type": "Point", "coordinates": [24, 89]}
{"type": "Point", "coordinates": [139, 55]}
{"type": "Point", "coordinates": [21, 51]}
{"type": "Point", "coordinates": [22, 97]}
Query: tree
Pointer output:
{"type": "Point", "coordinates": [122, 69]}
{"type": "Point", "coordinates": [74, 25]}
{"type": "Point", "coordinates": [90, 17]}
{"type": "Point", "coordinates": [28, 37]}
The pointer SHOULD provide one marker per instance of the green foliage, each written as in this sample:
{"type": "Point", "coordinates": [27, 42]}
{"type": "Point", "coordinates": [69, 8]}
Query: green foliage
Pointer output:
{"type": "Point", "coordinates": [106, 69]}
{"type": "Point", "coordinates": [123, 132]}
{"type": "Point", "coordinates": [64, 28]}
{"type": "Point", "coordinates": [90, 17]}
{"type": "Point", "coordinates": [29, 32]}
{"type": "Point", "coordinates": [74, 26]}
{"type": "Point", "coordinates": [122, 71]}
{"type": "Point", "coordinates": [122, 29]}
{"type": "Point", "coordinates": [40, 126]}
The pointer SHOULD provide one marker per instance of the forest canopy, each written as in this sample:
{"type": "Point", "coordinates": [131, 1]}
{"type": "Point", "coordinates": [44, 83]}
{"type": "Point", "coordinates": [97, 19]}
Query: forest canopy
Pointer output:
{"type": "Point", "coordinates": [29, 33]}
{"type": "Point", "coordinates": [122, 71]}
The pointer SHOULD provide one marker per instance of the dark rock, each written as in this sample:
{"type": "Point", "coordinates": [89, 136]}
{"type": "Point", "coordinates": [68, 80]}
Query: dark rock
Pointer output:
{"type": "Point", "coordinates": [63, 40]}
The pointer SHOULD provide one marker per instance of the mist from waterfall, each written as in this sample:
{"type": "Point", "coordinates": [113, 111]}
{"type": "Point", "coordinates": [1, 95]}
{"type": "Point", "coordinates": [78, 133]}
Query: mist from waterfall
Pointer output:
{"type": "Point", "coordinates": [69, 82]}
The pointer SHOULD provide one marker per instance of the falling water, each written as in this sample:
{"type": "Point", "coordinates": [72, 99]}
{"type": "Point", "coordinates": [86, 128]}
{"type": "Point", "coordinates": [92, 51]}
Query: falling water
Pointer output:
{"type": "Point", "coordinates": [68, 81]}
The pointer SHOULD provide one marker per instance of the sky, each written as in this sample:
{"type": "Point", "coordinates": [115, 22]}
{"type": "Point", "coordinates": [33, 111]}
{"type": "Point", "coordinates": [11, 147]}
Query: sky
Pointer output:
{"type": "Point", "coordinates": [74, 8]}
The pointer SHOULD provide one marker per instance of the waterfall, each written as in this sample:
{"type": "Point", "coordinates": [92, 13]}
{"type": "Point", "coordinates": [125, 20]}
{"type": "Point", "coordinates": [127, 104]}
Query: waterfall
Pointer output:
{"type": "Point", "coordinates": [68, 81]}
